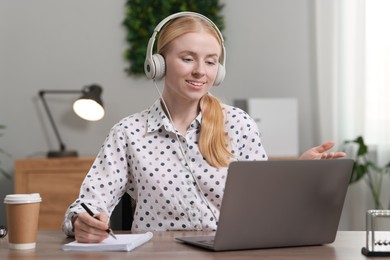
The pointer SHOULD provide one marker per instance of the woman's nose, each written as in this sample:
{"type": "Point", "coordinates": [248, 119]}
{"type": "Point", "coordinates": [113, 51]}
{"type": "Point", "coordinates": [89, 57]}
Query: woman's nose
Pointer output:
{"type": "Point", "coordinates": [199, 69]}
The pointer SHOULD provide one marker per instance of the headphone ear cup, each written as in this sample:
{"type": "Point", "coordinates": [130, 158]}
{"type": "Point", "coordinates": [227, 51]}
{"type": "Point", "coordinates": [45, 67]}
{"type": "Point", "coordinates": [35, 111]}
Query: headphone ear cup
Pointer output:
{"type": "Point", "coordinates": [159, 63]}
{"type": "Point", "coordinates": [149, 68]}
{"type": "Point", "coordinates": [220, 75]}
{"type": "Point", "coordinates": [155, 67]}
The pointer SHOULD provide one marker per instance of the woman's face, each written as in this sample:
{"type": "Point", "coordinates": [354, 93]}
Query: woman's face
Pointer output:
{"type": "Point", "coordinates": [191, 66]}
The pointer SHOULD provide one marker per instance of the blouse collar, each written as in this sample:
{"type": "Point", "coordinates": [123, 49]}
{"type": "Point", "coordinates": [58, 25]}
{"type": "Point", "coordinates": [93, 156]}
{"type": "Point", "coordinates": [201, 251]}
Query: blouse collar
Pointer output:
{"type": "Point", "coordinates": [157, 119]}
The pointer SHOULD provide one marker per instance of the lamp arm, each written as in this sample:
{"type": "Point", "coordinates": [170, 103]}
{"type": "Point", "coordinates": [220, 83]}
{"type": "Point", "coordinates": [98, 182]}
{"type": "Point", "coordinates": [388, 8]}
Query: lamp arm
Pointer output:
{"type": "Point", "coordinates": [56, 132]}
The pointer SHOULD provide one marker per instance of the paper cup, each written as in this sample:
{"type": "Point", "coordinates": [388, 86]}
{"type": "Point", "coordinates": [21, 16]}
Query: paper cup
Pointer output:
{"type": "Point", "coordinates": [22, 220]}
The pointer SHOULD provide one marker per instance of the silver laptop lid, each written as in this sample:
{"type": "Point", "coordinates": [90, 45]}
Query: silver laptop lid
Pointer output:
{"type": "Point", "coordinates": [282, 203]}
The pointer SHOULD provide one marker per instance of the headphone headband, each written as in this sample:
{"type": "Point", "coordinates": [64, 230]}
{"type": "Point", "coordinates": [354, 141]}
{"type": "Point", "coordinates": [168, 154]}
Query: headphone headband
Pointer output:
{"type": "Point", "coordinates": [154, 62]}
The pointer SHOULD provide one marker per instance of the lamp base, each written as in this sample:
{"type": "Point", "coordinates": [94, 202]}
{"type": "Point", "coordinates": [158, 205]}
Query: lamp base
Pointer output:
{"type": "Point", "coordinates": [62, 154]}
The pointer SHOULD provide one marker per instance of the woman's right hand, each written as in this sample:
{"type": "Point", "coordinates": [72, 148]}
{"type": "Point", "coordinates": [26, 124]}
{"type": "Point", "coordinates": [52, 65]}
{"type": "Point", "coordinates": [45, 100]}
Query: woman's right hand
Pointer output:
{"type": "Point", "coordinates": [88, 229]}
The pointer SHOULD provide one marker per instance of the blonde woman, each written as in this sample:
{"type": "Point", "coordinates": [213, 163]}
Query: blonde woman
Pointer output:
{"type": "Point", "coordinates": [172, 158]}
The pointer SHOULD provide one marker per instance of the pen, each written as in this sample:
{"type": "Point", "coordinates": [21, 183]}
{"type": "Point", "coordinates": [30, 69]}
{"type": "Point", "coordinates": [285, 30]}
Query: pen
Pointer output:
{"type": "Point", "coordinates": [109, 230]}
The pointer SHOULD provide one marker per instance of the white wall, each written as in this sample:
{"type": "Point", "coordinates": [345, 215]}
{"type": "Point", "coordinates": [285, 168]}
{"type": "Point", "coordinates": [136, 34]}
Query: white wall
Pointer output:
{"type": "Point", "coordinates": [49, 44]}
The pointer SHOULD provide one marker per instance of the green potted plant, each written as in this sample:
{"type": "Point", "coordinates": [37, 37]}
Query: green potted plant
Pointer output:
{"type": "Point", "coordinates": [366, 169]}
{"type": "Point", "coordinates": [2, 152]}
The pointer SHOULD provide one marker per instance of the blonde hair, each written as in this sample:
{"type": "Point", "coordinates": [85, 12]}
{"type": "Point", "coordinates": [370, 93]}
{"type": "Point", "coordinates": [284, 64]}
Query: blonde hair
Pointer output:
{"type": "Point", "coordinates": [213, 140]}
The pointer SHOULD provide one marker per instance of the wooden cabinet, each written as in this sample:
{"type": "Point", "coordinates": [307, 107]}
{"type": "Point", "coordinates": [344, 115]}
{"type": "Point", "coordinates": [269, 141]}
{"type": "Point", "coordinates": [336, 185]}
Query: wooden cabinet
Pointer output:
{"type": "Point", "coordinates": [58, 180]}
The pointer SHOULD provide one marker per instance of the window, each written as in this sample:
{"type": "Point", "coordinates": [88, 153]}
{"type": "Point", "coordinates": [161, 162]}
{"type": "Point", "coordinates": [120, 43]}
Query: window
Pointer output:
{"type": "Point", "coordinates": [353, 71]}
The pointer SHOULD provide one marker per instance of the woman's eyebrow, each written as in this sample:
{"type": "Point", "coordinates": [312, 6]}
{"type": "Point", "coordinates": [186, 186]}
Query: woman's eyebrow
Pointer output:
{"type": "Point", "coordinates": [195, 54]}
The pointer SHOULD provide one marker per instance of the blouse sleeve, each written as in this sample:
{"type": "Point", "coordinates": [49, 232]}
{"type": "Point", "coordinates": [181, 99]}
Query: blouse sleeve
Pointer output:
{"type": "Point", "coordinates": [108, 178]}
{"type": "Point", "coordinates": [244, 135]}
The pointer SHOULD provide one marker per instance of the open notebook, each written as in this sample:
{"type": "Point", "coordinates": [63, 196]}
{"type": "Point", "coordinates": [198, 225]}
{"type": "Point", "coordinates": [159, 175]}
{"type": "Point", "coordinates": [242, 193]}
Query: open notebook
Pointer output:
{"type": "Point", "coordinates": [124, 242]}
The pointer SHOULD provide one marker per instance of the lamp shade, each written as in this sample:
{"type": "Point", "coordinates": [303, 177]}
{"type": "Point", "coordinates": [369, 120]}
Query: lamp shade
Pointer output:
{"type": "Point", "coordinates": [90, 106]}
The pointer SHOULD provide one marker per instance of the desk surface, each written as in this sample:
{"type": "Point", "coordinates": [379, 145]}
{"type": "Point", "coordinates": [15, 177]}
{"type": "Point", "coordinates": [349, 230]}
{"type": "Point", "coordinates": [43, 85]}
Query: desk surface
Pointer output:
{"type": "Point", "coordinates": [163, 246]}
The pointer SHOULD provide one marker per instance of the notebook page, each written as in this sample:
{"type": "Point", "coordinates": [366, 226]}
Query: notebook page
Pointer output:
{"type": "Point", "coordinates": [124, 242]}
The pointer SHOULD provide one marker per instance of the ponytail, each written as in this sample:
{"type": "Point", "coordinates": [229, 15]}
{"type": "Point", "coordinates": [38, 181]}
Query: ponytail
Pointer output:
{"type": "Point", "coordinates": [213, 140]}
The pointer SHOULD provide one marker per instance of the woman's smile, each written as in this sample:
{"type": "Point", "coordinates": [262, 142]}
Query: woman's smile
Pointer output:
{"type": "Point", "coordinates": [195, 84]}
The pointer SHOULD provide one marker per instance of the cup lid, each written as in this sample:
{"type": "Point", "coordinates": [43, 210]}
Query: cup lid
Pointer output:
{"type": "Point", "coordinates": [22, 198]}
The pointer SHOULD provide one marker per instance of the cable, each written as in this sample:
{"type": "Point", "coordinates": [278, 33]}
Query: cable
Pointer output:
{"type": "Point", "coordinates": [189, 165]}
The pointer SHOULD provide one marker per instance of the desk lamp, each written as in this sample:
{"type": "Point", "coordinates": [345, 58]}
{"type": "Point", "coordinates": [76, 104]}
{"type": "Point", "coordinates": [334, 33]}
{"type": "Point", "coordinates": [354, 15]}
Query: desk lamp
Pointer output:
{"type": "Point", "coordinates": [89, 107]}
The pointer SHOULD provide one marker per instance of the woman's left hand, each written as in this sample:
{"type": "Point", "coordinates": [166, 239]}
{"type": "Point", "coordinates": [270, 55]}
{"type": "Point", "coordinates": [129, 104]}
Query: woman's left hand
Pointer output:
{"type": "Point", "coordinates": [321, 152]}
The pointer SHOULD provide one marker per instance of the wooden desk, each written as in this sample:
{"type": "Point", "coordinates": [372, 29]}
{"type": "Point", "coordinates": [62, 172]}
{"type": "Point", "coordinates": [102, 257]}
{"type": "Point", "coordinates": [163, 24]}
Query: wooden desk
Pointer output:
{"type": "Point", "coordinates": [58, 180]}
{"type": "Point", "coordinates": [347, 246]}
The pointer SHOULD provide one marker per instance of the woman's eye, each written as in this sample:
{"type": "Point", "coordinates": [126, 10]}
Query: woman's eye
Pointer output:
{"type": "Point", "coordinates": [187, 59]}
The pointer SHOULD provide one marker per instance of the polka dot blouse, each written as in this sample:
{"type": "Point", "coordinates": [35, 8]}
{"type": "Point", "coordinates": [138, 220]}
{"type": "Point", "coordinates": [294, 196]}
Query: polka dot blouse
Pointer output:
{"type": "Point", "coordinates": [174, 186]}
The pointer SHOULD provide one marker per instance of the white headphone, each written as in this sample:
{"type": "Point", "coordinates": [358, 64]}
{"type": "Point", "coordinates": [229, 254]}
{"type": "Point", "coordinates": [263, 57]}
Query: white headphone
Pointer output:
{"type": "Point", "coordinates": [154, 65]}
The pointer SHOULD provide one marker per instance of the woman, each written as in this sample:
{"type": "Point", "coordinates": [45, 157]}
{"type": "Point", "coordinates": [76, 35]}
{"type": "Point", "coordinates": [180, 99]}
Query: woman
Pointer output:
{"type": "Point", "coordinates": [172, 158]}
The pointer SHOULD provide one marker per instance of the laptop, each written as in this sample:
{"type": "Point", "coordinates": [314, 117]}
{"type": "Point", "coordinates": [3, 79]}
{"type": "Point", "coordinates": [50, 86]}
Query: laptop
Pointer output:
{"type": "Point", "coordinates": [286, 203]}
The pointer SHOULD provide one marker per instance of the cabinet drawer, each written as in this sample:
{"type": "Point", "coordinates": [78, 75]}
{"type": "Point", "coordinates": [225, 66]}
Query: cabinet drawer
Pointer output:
{"type": "Point", "coordinates": [58, 182]}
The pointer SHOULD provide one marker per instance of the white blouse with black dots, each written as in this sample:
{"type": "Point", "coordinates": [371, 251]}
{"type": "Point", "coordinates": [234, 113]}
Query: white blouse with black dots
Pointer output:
{"type": "Point", "coordinates": [141, 156]}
